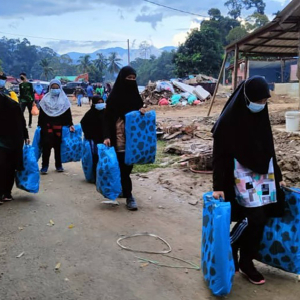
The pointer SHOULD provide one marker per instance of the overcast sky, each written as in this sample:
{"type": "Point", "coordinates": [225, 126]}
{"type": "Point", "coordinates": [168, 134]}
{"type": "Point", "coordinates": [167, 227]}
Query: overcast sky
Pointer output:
{"type": "Point", "coordinates": [88, 25]}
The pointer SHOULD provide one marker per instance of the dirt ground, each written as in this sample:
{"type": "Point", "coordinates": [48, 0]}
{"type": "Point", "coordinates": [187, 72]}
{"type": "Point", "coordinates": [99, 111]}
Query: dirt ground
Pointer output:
{"type": "Point", "coordinates": [93, 266]}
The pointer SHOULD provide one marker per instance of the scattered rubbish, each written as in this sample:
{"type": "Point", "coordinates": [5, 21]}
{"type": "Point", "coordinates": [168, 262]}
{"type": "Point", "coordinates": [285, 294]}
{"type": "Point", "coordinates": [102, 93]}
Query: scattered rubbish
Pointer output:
{"type": "Point", "coordinates": [20, 255]}
{"type": "Point", "coordinates": [111, 202]}
{"type": "Point", "coordinates": [20, 228]}
{"type": "Point", "coordinates": [71, 226]}
{"type": "Point", "coordinates": [67, 279]}
{"type": "Point", "coordinates": [161, 207]}
{"type": "Point", "coordinates": [51, 223]}
{"type": "Point", "coordinates": [144, 265]}
{"type": "Point", "coordinates": [57, 266]}
{"type": "Point", "coordinates": [195, 202]}
{"type": "Point", "coordinates": [145, 251]}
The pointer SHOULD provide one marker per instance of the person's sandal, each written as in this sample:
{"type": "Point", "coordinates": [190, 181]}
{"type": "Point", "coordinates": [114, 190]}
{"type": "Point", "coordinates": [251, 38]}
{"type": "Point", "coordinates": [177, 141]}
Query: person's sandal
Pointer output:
{"type": "Point", "coordinates": [252, 274]}
{"type": "Point", "coordinates": [7, 198]}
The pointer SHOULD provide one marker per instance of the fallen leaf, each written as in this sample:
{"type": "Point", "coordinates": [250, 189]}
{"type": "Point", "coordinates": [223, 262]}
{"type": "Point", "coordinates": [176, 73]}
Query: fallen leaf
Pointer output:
{"type": "Point", "coordinates": [71, 226]}
{"type": "Point", "coordinates": [20, 255]}
{"type": "Point", "coordinates": [57, 267]}
{"type": "Point", "coordinates": [144, 265]}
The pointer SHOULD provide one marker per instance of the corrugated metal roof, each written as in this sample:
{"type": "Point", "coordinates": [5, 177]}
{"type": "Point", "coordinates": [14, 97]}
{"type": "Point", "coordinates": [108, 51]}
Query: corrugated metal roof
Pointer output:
{"type": "Point", "coordinates": [279, 37]}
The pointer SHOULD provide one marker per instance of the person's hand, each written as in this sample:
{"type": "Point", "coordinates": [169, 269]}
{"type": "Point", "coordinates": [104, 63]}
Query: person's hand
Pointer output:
{"type": "Point", "coordinates": [27, 141]}
{"type": "Point", "coordinates": [218, 194]}
{"type": "Point", "coordinates": [142, 110]}
{"type": "Point", "coordinates": [72, 128]}
{"type": "Point", "coordinates": [282, 183]}
{"type": "Point", "coordinates": [107, 142]}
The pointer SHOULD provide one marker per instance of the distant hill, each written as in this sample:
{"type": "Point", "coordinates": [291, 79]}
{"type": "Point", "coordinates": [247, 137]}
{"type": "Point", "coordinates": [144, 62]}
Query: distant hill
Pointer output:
{"type": "Point", "coordinates": [123, 53]}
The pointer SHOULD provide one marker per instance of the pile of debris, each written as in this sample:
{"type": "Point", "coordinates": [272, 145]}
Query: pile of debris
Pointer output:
{"type": "Point", "coordinates": [177, 92]}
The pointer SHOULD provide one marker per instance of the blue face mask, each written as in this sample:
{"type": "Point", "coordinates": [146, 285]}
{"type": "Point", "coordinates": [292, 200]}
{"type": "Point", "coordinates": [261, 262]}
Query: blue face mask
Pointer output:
{"type": "Point", "coordinates": [2, 83]}
{"type": "Point", "coordinates": [100, 106]}
{"type": "Point", "coordinates": [55, 92]}
{"type": "Point", "coordinates": [255, 107]}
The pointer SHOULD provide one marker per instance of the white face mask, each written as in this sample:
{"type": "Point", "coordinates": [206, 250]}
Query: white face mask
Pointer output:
{"type": "Point", "coordinates": [253, 107]}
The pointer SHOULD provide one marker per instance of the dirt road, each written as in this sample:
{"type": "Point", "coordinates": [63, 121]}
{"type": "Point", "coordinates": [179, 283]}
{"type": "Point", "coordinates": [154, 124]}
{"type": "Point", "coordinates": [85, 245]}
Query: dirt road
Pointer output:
{"type": "Point", "coordinates": [93, 267]}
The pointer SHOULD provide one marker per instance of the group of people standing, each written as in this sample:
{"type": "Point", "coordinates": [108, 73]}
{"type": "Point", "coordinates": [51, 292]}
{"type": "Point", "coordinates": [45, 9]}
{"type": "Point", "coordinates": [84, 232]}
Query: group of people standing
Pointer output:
{"type": "Point", "coordinates": [103, 123]}
{"type": "Point", "coordinates": [92, 90]}
{"type": "Point", "coordinates": [245, 169]}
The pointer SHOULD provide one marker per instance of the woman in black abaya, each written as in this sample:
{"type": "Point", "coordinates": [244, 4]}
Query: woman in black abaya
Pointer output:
{"type": "Point", "coordinates": [13, 134]}
{"type": "Point", "coordinates": [123, 99]}
{"type": "Point", "coordinates": [245, 170]}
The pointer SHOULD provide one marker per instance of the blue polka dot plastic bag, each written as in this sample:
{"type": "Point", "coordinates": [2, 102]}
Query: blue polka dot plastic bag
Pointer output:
{"type": "Point", "coordinates": [108, 179]}
{"type": "Point", "coordinates": [71, 144]}
{"type": "Point", "coordinates": [140, 132]}
{"type": "Point", "coordinates": [87, 162]}
{"type": "Point", "coordinates": [216, 254]}
{"type": "Point", "coordinates": [37, 143]}
{"type": "Point", "coordinates": [280, 246]}
{"type": "Point", "coordinates": [29, 179]}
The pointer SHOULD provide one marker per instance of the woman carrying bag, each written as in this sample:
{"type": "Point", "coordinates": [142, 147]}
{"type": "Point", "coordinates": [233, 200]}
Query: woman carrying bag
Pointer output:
{"type": "Point", "coordinates": [55, 113]}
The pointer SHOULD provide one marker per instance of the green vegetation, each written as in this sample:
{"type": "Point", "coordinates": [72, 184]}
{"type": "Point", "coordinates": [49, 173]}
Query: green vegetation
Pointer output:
{"type": "Point", "coordinates": [160, 155]}
{"type": "Point", "coordinates": [202, 52]}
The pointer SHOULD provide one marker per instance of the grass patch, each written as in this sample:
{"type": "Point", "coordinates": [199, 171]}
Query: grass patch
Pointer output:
{"type": "Point", "coordinates": [160, 155]}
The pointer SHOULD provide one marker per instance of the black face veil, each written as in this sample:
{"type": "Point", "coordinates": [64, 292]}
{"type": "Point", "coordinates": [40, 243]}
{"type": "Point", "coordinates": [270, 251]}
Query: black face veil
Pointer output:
{"type": "Point", "coordinates": [125, 96]}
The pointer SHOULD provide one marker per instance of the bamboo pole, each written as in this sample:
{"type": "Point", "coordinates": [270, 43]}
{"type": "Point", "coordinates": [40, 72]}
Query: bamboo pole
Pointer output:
{"type": "Point", "coordinates": [217, 85]}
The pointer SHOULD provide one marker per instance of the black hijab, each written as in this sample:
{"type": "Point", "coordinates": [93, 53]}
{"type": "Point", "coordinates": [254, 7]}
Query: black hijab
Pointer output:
{"type": "Point", "coordinates": [125, 96]}
{"type": "Point", "coordinates": [93, 122]}
{"type": "Point", "coordinates": [247, 135]}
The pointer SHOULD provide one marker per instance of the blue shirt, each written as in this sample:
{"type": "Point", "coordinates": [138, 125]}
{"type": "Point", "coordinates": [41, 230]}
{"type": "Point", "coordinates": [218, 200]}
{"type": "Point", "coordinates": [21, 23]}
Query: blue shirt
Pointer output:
{"type": "Point", "coordinates": [90, 91]}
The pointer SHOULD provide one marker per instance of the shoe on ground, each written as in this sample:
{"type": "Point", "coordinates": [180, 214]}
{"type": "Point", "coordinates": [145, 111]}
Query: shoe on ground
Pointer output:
{"type": "Point", "coordinates": [7, 197]}
{"type": "Point", "coordinates": [60, 169]}
{"type": "Point", "coordinates": [252, 274]}
{"type": "Point", "coordinates": [131, 203]}
{"type": "Point", "coordinates": [44, 170]}
{"type": "Point", "coordinates": [111, 202]}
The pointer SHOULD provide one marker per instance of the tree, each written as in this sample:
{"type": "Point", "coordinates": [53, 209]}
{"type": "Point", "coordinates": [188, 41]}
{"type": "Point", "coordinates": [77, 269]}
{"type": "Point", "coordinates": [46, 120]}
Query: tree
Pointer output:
{"type": "Point", "coordinates": [47, 70]}
{"type": "Point", "coordinates": [101, 65]}
{"type": "Point", "coordinates": [236, 34]}
{"type": "Point", "coordinates": [84, 63]}
{"type": "Point", "coordinates": [114, 63]}
{"type": "Point", "coordinates": [256, 20]}
{"type": "Point", "coordinates": [220, 23]}
{"type": "Point", "coordinates": [201, 53]}
{"type": "Point", "coordinates": [236, 6]}
{"type": "Point", "coordinates": [145, 49]}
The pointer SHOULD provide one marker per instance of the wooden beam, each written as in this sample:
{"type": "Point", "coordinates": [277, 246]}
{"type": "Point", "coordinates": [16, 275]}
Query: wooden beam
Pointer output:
{"type": "Point", "coordinates": [246, 68]}
{"type": "Point", "coordinates": [217, 85]}
{"type": "Point", "coordinates": [271, 46]}
{"type": "Point", "coordinates": [236, 65]}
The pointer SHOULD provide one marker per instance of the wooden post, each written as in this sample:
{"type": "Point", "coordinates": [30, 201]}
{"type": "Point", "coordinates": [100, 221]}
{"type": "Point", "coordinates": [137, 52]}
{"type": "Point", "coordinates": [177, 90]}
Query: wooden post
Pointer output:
{"type": "Point", "coordinates": [236, 65]}
{"type": "Point", "coordinates": [218, 82]}
{"type": "Point", "coordinates": [246, 68]}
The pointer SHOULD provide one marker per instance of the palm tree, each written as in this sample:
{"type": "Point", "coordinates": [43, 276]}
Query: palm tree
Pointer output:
{"type": "Point", "coordinates": [85, 63]}
{"type": "Point", "coordinates": [101, 62]}
{"type": "Point", "coordinates": [113, 63]}
{"type": "Point", "coordinates": [47, 70]}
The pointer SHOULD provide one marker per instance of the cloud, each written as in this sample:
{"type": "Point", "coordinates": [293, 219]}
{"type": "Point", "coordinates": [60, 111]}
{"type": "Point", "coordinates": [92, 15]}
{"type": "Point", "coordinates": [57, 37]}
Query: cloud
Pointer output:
{"type": "Point", "coordinates": [64, 45]}
{"type": "Point", "coordinates": [153, 19]}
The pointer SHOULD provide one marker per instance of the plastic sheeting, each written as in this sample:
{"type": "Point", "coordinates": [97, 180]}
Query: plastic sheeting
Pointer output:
{"type": "Point", "coordinates": [87, 162]}
{"type": "Point", "coordinates": [37, 143]}
{"type": "Point", "coordinates": [216, 254]}
{"type": "Point", "coordinates": [71, 144]}
{"type": "Point", "coordinates": [29, 179]}
{"type": "Point", "coordinates": [140, 132]}
{"type": "Point", "coordinates": [108, 180]}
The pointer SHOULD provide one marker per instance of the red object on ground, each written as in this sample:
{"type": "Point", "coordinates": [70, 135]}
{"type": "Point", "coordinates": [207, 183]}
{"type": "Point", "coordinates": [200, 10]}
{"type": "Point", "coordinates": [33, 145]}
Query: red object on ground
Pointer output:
{"type": "Point", "coordinates": [163, 101]}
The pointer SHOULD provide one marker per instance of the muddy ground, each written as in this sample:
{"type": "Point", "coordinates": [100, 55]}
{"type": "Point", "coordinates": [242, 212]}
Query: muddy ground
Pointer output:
{"type": "Point", "coordinates": [92, 265]}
